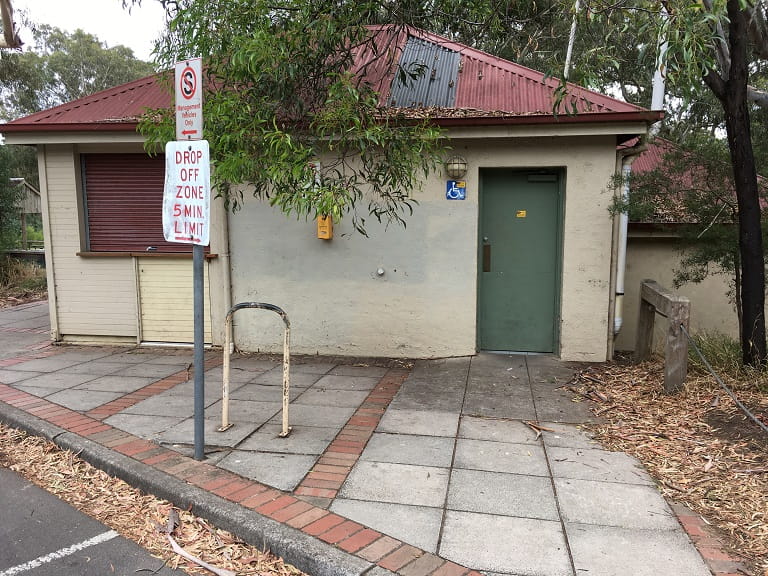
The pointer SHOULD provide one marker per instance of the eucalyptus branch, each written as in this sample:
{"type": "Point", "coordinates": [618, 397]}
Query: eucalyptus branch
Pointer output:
{"type": "Point", "coordinates": [758, 30]}
{"type": "Point", "coordinates": [712, 223]}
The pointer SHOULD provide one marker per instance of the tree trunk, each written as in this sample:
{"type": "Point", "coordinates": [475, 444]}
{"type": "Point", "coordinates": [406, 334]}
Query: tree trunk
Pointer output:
{"type": "Point", "coordinates": [750, 237]}
{"type": "Point", "coordinates": [737, 295]}
{"type": "Point", "coordinates": [732, 93]}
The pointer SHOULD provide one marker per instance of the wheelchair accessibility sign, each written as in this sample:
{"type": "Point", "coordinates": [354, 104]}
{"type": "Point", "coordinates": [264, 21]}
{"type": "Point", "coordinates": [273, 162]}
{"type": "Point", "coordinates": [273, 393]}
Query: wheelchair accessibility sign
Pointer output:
{"type": "Point", "coordinates": [456, 190]}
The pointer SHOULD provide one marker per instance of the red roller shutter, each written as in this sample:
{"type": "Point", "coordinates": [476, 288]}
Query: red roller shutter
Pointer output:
{"type": "Point", "coordinates": [124, 196]}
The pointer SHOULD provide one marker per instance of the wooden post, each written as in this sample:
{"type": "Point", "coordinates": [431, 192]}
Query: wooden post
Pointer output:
{"type": "Point", "coordinates": [644, 339]}
{"type": "Point", "coordinates": [655, 299]}
{"type": "Point", "coordinates": [23, 230]}
{"type": "Point", "coordinates": [676, 352]}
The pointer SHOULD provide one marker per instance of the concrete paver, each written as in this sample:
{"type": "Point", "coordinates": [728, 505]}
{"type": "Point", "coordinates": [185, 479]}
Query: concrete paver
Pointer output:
{"type": "Point", "coordinates": [14, 376]}
{"type": "Point", "coordinates": [610, 551]}
{"type": "Point", "coordinates": [502, 494]}
{"type": "Point", "coordinates": [257, 392]}
{"type": "Point", "coordinates": [283, 471]}
{"type": "Point", "coordinates": [143, 426]}
{"type": "Point", "coordinates": [327, 417]}
{"type": "Point", "coordinates": [328, 397]}
{"type": "Point", "coordinates": [152, 370]}
{"type": "Point", "coordinates": [566, 436]}
{"type": "Point", "coordinates": [274, 377]}
{"type": "Point", "coordinates": [513, 431]}
{"type": "Point", "coordinates": [165, 405]}
{"type": "Point", "coordinates": [596, 464]}
{"type": "Point", "coordinates": [429, 398]}
{"type": "Point", "coordinates": [58, 380]}
{"type": "Point", "coordinates": [363, 371]}
{"type": "Point", "coordinates": [347, 382]}
{"type": "Point", "coordinates": [212, 391]}
{"type": "Point", "coordinates": [183, 432]}
{"type": "Point", "coordinates": [397, 483]}
{"type": "Point", "coordinates": [501, 457]}
{"type": "Point", "coordinates": [115, 383]}
{"type": "Point", "coordinates": [610, 504]}
{"type": "Point", "coordinates": [245, 411]}
{"type": "Point", "coordinates": [82, 399]}
{"type": "Point", "coordinates": [98, 367]}
{"type": "Point", "coordinates": [417, 525]}
{"type": "Point", "coordinates": [499, 405]}
{"type": "Point", "coordinates": [423, 422]}
{"type": "Point", "coordinates": [506, 544]}
{"type": "Point", "coordinates": [404, 470]}
{"type": "Point", "coordinates": [410, 449]}
{"type": "Point", "coordinates": [302, 440]}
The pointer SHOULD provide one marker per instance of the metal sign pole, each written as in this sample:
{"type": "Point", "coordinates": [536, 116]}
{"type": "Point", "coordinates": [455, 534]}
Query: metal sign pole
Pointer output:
{"type": "Point", "coordinates": [186, 210]}
{"type": "Point", "coordinates": [198, 273]}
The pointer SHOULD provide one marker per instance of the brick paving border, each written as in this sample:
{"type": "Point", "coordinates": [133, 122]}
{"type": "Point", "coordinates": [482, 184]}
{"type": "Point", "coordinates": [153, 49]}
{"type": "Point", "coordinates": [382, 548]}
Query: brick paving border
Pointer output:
{"type": "Point", "coordinates": [325, 478]}
{"type": "Point", "coordinates": [709, 545]}
{"type": "Point", "coordinates": [119, 404]}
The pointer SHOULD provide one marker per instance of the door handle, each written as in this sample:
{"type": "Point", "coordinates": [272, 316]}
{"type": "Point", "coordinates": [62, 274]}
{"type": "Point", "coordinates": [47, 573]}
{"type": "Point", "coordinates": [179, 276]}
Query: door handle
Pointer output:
{"type": "Point", "coordinates": [486, 257]}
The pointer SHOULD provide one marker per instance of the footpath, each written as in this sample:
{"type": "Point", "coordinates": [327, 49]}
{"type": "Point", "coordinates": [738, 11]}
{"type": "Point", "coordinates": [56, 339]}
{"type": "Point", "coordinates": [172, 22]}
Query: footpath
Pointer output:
{"type": "Point", "coordinates": [453, 467]}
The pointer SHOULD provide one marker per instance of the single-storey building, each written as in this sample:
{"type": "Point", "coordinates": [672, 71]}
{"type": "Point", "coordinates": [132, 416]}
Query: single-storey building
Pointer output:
{"type": "Point", "coordinates": [523, 257]}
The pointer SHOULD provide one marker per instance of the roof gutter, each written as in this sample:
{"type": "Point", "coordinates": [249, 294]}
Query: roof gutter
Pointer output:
{"type": "Point", "coordinates": [121, 126]}
{"type": "Point", "coordinates": [520, 120]}
{"type": "Point", "coordinates": [595, 118]}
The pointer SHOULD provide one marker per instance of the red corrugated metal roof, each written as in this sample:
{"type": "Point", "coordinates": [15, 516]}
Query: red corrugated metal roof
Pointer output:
{"type": "Point", "coordinates": [653, 156]}
{"type": "Point", "coordinates": [486, 82]}
{"type": "Point", "coordinates": [502, 91]}
{"type": "Point", "coordinates": [112, 109]}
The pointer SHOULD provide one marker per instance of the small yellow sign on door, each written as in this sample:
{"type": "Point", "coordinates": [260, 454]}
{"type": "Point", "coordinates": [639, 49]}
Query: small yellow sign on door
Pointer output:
{"type": "Point", "coordinates": [522, 213]}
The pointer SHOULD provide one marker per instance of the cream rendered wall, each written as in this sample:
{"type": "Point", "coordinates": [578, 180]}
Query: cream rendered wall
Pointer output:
{"type": "Point", "coordinates": [656, 259]}
{"type": "Point", "coordinates": [424, 305]}
{"type": "Point", "coordinates": [93, 297]}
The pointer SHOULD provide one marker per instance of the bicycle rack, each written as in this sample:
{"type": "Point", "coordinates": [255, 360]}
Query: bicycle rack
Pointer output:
{"type": "Point", "coordinates": [225, 423]}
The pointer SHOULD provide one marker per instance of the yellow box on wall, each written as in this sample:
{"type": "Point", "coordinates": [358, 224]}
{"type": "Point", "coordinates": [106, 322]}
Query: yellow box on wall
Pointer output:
{"type": "Point", "coordinates": [324, 227]}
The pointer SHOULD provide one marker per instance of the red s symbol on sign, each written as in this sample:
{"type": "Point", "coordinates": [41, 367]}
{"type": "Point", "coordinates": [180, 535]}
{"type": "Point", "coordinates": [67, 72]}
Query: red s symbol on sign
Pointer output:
{"type": "Point", "coordinates": [188, 83]}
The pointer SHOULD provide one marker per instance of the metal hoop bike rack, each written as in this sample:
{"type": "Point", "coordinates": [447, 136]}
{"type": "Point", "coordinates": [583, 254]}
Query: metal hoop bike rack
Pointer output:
{"type": "Point", "coordinates": [225, 423]}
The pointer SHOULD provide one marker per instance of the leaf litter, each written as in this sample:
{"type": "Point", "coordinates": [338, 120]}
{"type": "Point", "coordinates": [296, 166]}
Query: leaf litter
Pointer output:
{"type": "Point", "coordinates": [140, 517]}
{"type": "Point", "coordinates": [700, 448]}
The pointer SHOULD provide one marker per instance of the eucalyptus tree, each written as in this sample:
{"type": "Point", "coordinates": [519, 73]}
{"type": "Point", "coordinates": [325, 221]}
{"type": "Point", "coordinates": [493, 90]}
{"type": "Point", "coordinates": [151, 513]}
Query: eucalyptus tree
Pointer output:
{"type": "Point", "coordinates": [723, 44]}
{"type": "Point", "coordinates": [288, 116]}
{"type": "Point", "coordinates": [60, 66]}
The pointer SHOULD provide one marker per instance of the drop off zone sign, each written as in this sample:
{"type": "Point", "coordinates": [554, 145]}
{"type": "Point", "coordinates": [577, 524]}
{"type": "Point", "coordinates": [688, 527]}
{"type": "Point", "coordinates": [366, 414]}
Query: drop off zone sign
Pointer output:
{"type": "Point", "coordinates": [187, 194]}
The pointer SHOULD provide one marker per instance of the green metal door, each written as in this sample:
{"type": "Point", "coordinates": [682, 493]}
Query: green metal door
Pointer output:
{"type": "Point", "coordinates": [519, 261]}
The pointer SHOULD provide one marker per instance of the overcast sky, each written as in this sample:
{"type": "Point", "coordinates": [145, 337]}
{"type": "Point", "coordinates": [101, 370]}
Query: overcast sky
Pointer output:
{"type": "Point", "coordinates": [105, 19]}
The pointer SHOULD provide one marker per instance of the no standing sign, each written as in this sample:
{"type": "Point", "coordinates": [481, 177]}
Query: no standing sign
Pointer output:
{"type": "Point", "coordinates": [189, 99]}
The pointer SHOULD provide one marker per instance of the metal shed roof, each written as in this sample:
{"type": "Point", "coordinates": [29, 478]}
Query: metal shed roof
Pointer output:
{"type": "Point", "coordinates": [459, 86]}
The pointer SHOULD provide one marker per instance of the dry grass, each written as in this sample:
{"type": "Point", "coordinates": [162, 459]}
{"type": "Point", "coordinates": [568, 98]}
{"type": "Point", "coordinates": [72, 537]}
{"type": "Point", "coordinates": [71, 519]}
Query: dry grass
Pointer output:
{"type": "Point", "coordinates": [126, 510]}
{"type": "Point", "coordinates": [21, 282]}
{"type": "Point", "coordinates": [697, 444]}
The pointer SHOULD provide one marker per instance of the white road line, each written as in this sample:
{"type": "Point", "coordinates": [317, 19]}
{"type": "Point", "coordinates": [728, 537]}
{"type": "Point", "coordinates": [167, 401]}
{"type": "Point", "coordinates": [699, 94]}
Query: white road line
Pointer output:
{"type": "Point", "coordinates": [64, 552]}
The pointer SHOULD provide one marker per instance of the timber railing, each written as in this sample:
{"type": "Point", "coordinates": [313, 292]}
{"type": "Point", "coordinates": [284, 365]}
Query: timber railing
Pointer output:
{"type": "Point", "coordinates": [655, 299]}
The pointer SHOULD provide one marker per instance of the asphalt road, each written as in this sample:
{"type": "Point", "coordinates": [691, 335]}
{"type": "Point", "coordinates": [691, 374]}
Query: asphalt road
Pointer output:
{"type": "Point", "coordinates": [41, 535]}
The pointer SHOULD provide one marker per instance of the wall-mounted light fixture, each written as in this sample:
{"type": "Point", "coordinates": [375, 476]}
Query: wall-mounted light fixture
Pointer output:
{"type": "Point", "coordinates": [456, 167]}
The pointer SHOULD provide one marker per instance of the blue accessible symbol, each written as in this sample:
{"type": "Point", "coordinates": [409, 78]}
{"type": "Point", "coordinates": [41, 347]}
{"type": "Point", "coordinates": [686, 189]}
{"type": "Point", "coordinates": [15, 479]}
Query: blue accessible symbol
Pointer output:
{"type": "Point", "coordinates": [456, 190]}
